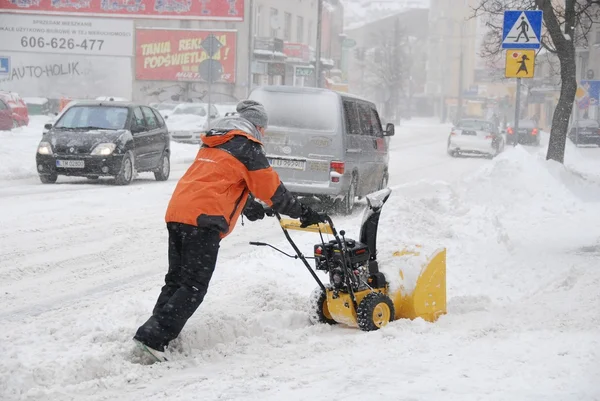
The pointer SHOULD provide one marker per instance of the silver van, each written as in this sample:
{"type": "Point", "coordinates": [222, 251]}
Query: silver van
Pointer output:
{"type": "Point", "coordinates": [325, 145]}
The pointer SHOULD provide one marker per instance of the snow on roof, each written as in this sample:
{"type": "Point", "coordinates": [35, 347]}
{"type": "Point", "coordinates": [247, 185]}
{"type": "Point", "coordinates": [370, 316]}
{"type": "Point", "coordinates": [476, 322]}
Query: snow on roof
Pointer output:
{"type": "Point", "coordinates": [360, 12]}
{"type": "Point", "coordinates": [35, 100]}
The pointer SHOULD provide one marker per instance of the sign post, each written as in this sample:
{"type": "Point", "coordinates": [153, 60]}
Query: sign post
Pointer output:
{"type": "Point", "coordinates": [212, 69]}
{"type": "Point", "coordinates": [521, 30]}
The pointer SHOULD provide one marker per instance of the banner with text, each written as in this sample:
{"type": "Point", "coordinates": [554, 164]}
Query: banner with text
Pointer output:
{"type": "Point", "coordinates": [58, 75]}
{"type": "Point", "coordinates": [67, 35]}
{"type": "Point", "coordinates": [184, 55]}
{"type": "Point", "coordinates": [215, 10]}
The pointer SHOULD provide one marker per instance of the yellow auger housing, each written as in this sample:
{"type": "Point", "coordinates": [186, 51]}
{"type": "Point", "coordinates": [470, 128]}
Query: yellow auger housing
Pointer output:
{"type": "Point", "coordinates": [366, 292]}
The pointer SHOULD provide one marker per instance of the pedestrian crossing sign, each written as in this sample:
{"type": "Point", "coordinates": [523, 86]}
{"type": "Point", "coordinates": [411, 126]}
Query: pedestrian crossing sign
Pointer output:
{"type": "Point", "coordinates": [522, 29]}
{"type": "Point", "coordinates": [520, 64]}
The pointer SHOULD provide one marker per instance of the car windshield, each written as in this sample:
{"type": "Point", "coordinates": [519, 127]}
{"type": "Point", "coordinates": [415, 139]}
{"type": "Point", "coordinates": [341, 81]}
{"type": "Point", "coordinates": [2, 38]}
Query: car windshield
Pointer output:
{"type": "Point", "coordinates": [190, 109]}
{"type": "Point", "coordinates": [313, 111]}
{"type": "Point", "coordinates": [479, 125]}
{"type": "Point", "coordinates": [93, 117]}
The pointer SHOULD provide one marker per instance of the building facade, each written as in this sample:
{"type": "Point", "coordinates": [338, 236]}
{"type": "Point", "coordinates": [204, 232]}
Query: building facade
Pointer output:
{"type": "Point", "coordinates": [273, 46]}
{"type": "Point", "coordinates": [387, 62]}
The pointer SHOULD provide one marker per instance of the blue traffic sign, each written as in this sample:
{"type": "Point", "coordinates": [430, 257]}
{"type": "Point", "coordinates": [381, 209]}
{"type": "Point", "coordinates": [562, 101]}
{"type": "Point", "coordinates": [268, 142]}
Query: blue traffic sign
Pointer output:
{"type": "Point", "coordinates": [4, 65]}
{"type": "Point", "coordinates": [522, 29]}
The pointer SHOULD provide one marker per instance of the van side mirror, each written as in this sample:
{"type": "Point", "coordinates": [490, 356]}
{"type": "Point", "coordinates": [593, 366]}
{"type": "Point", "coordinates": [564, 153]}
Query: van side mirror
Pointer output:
{"type": "Point", "coordinates": [47, 126]}
{"type": "Point", "coordinates": [390, 130]}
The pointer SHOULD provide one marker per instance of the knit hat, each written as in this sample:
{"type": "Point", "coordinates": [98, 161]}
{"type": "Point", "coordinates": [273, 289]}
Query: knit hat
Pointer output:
{"type": "Point", "coordinates": [254, 112]}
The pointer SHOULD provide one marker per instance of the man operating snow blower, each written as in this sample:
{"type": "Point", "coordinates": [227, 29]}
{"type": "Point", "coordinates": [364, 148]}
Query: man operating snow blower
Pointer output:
{"type": "Point", "coordinates": [204, 208]}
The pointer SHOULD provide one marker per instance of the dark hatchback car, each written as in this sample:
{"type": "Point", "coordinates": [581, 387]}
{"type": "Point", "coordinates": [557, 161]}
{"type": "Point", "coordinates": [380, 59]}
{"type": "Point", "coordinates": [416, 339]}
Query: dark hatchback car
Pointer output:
{"type": "Point", "coordinates": [93, 139]}
{"type": "Point", "coordinates": [585, 132]}
{"type": "Point", "coordinates": [529, 133]}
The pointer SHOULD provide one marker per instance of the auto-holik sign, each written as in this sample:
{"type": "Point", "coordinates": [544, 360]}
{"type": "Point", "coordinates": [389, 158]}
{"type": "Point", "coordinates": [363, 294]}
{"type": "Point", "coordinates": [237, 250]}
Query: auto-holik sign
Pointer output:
{"type": "Point", "coordinates": [52, 56]}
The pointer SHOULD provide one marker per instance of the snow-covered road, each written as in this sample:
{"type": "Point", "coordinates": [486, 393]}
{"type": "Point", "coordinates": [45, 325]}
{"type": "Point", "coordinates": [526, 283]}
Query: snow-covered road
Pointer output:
{"type": "Point", "coordinates": [81, 264]}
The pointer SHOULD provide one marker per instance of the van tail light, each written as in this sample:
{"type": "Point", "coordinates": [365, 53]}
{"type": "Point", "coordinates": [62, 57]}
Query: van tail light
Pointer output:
{"type": "Point", "coordinates": [337, 167]}
{"type": "Point", "coordinates": [534, 131]}
{"type": "Point", "coordinates": [452, 133]}
{"type": "Point", "coordinates": [509, 131]}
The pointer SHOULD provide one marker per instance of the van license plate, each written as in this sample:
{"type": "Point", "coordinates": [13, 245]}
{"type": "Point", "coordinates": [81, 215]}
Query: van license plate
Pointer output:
{"type": "Point", "coordinates": [287, 163]}
{"type": "Point", "coordinates": [70, 163]}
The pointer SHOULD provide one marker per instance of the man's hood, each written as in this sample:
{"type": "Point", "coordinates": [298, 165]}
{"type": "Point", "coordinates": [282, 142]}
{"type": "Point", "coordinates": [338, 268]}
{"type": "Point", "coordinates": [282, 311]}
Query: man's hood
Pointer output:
{"type": "Point", "coordinates": [226, 124]}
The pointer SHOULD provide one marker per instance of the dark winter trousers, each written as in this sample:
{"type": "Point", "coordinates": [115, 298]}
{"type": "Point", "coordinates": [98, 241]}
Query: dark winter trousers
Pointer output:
{"type": "Point", "coordinates": [192, 259]}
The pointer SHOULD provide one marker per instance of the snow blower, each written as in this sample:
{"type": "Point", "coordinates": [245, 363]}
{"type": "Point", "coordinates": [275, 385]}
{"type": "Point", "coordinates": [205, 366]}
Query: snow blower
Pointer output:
{"type": "Point", "coordinates": [358, 294]}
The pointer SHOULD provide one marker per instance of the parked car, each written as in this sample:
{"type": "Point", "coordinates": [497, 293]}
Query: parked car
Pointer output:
{"type": "Point", "coordinates": [6, 117]}
{"type": "Point", "coordinates": [166, 108]}
{"type": "Point", "coordinates": [528, 133]}
{"type": "Point", "coordinates": [93, 139]}
{"type": "Point", "coordinates": [327, 146]}
{"type": "Point", "coordinates": [475, 137]}
{"type": "Point", "coordinates": [189, 121]}
{"type": "Point", "coordinates": [226, 107]}
{"type": "Point", "coordinates": [17, 106]}
{"type": "Point", "coordinates": [37, 106]}
{"type": "Point", "coordinates": [585, 131]}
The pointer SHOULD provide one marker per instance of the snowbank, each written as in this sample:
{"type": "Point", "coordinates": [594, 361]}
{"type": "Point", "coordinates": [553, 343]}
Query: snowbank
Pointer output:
{"type": "Point", "coordinates": [18, 147]}
{"type": "Point", "coordinates": [509, 208]}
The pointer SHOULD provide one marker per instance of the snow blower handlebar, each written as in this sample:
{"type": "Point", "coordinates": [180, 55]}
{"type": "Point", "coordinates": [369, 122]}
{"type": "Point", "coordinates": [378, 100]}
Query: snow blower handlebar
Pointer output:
{"type": "Point", "coordinates": [270, 212]}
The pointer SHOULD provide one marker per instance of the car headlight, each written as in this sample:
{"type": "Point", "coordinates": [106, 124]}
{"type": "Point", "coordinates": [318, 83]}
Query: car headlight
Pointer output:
{"type": "Point", "coordinates": [44, 148]}
{"type": "Point", "coordinates": [103, 149]}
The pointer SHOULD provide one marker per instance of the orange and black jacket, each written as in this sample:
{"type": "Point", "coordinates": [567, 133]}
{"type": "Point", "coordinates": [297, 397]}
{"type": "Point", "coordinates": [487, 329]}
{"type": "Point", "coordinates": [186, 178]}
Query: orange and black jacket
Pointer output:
{"type": "Point", "coordinates": [228, 167]}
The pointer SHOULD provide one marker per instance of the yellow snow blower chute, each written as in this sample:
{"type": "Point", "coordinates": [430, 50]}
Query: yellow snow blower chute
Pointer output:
{"type": "Point", "coordinates": [358, 293]}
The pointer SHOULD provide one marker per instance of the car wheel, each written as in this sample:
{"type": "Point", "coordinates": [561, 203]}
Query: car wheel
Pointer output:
{"type": "Point", "coordinates": [164, 168]}
{"type": "Point", "coordinates": [125, 175]}
{"type": "Point", "coordinates": [347, 204]}
{"type": "Point", "coordinates": [49, 178]}
{"type": "Point", "coordinates": [15, 124]}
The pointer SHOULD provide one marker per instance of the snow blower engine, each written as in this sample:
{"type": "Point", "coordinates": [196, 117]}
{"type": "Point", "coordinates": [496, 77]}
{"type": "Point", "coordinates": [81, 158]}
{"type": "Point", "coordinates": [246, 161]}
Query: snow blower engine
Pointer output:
{"type": "Point", "coordinates": [358, 294]}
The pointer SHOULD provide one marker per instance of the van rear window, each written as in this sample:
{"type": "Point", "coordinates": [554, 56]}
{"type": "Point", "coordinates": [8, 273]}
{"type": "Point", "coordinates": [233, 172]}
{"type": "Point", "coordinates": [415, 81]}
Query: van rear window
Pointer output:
{"type": "Point", "coordinates": [313, 111]}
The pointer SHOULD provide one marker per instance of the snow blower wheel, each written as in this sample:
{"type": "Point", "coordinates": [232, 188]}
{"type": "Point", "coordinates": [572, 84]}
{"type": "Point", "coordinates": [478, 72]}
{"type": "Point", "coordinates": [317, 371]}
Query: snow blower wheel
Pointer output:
{"type": "Point", "coordinates": [357, 293]}
{"type": "Point", "coordinates": [375, 311]}
{"type": "Point", "coordinates": [319, 311]}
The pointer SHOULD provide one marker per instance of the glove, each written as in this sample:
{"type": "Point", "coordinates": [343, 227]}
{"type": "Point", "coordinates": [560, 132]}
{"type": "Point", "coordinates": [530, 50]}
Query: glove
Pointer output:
{"type": "Point", "coordinates": [254, 211]}
{"type": "Point", "coordinates": [309, 217]}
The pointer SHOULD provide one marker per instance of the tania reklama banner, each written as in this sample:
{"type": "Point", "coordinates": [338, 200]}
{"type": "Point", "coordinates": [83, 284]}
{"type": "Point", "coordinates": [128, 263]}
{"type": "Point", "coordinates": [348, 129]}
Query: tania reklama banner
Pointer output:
{"type": "Point", "coordinates": [177, 55]}
{"type": "Point", "coordinates": [215, 10]}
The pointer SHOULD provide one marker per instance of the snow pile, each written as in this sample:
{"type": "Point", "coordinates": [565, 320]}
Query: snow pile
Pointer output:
{"type": "Point", "coordinates": [508, 208]}
{"type": "Point", "coordinates": [18, 149]}
{"type": "Point", "coordinates": [360, 12]}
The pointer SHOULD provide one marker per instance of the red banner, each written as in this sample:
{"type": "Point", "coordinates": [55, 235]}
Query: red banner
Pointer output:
{"type": "Point", "coordinates": [222, 10]}
{"type": "Point", "coordinates": [298, 51]}
{"type": "Point", "coordinates": [184, 55]}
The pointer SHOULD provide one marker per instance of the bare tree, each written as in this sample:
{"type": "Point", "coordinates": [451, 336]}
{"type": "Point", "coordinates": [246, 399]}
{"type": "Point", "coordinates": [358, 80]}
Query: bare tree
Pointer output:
{"type": "Point", "coordinates": [565, 27]}
{"type": "Point", "coordinates": [386, 65]}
